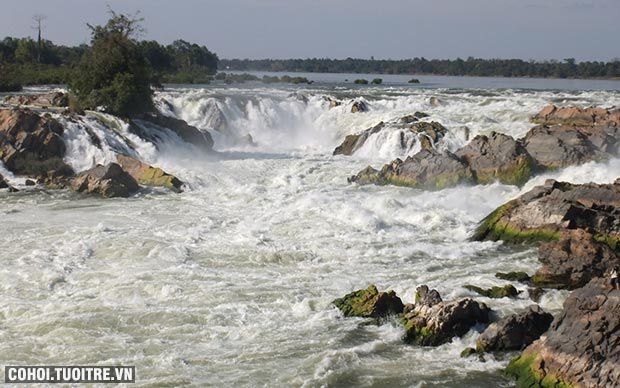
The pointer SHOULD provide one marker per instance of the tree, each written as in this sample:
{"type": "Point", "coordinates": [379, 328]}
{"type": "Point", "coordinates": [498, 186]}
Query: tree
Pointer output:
{"type": "Point", "coordinates": [113, 74]}
{"type": "Point", "coordinates": [38, 20]}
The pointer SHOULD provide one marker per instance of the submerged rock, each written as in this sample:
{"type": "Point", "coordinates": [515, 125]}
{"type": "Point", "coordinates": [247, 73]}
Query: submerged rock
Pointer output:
{"type": "Point", "coordinates": [496, 292]}
{"type": "Point", "coordinates": [369, 303]}
{"type": "Point", "coordinates": [498, 157]}
{"type": "Point", "coordinates": [552, 115]}
{"type": "Point", "coordinates": [543, 212]}
{"type": "Point", "coordinates": [359, 106]}
{"type": "Point", "coordinates": [518, 276]}
{"type": "Point", "coordinates": [31, 144]}
{"type": "Point", "coordinates": [332, 102]}
{"type": "Point", "coordinates": [108, 181]}
{"type": "Point", "coordinates": [148, 175]}
{"type": "Point", "coordinates": [515, 331]}
{"type": "Point", "coordinates": [432, 322]}
{"type": "Point", "coordinates": [428, 169]}
{"type": "Point", "coordinates": [45, 100]}
{"type": "Point", "coordinates": [574, 260]}
{"type": "Point", "coordinates": [582, 346]}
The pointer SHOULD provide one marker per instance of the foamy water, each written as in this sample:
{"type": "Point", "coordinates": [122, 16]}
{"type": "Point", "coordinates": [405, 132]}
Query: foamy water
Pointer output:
{"type": "Point", "coordinates": [230, 282]}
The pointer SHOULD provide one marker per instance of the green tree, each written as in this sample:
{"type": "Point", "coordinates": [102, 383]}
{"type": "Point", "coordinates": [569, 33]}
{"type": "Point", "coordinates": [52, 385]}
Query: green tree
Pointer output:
{"type": "Point", "coordinates": [113, 74]}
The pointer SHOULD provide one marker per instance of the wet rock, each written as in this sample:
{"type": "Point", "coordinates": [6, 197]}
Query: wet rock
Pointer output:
{"type": "Point", "coordinates": [369, 303]}
{"type": "Point", "coordinates": [46, 100]}
{"type": "Point", "coordinates": [535, 293]}
{"type": "Point", "coordinates": [148, 175]}
{"type": "Point", "coordinates": [582, 346]}
{"type": "Point", "coordinates": [515, 331]}
{"type": "Point", "coordinates": [353, 142]}
{"type": "Point", "coordinates": [498, 157]}
{"type": "Point", "coordinates": [562, 146]}
{"type": "Point", "coordinates": [574, 260]}
{"type": "Point", "coordinates": [359, 106]}
{"type": "Point", "coordinates": [552, 115]}
{"type": "Point", "coordinates": [29, 182]}
{"type": "Point", "coordinates": [332, 102]}
{"type": "Point", "coordinates": [496, 292]}
{"type": "Point", "coordinates": [434, 101]}
{"type": "Point", "coordinates": [3, 183]}
{"type": "Point", "coordinates": [108, 181]}
{"type": "Point", "coordinates": [543, 212]}
{"type": "Point", "coordinates": [31, 144]}
{"type": "Point", "coordinates": [427, 297]}
{"type": "Point", "coordinates": [468, 352]}
{"type": "Point", "coordinates": [187, 133]}
{"type": "Point", "coordinates": [435, 323]}
{"type": "Point", "coordinates": [428, 169]}
{"type": "Point", "coordinates": [518, 276]}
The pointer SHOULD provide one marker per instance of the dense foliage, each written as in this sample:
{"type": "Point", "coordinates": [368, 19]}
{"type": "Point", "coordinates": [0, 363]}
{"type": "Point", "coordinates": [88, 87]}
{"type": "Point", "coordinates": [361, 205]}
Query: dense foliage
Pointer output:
{"type": "Point", "coordinates": [567, 68]}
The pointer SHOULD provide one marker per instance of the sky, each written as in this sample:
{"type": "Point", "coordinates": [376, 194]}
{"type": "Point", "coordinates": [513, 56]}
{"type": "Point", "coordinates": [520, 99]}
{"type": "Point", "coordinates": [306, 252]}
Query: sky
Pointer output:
{"type": "Point", "coordinates": [395, 29]}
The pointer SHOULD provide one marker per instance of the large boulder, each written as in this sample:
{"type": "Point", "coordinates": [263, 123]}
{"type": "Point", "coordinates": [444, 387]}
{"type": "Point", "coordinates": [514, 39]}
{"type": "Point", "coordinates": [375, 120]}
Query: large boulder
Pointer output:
{"type": "Point", "coordinates": [31, 144]}
{"type": "Point", "coordinates": [498, 157]}
{"type": "Point", "coordinates": [552, 115]}
{"type": "Point", "coordinates": [432, 322]}
{"type": "Point", "coordinates": [428, 169]}
{"type": "Point", "coordinates": [574, 260]}
{"type": "Point", "coordinates": [148, 175]}
{"type": "Point", "coordinates": [514, 332]}
{"type": "Point", "coordinates": [186, 132]}
{"type": "Point", "coordinates": [582, 346]}
{"type": "Point", "coordinates": [562, 146]}
{"type": "Point", "coordinates": [108, 181]}
{"type": "Point", "coordinates": [45, 100]}
{"type": "Point", "coordinates": [545, 211]}
{"type": "Point", "coordinates": [369, 303]}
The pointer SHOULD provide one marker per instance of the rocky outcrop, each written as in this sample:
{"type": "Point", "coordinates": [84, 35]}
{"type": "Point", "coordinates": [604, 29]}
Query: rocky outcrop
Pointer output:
{"type": "Point", "coordinates": [495, 292]}
{"type": "Point", "coordinates": [426, 296]}
{"type": "Point", "coordinates": [148, 175]}
{"type": "Point", "coordinates": [552, 115]}
{"type": "Point", "coordinates": [516, 331]}
{"type": "Point", "coordinates": [545, 211]}
{"type": "Point", "coordinates": [359, 106]}
{"type": "Point", "coordinates": [46, 100]}
{"type": "Point", "coordinates": [428, 169]}
{"type": "Point", "coordinates": [32, 144]}
{"type": "Point", "coordinates": [432, 322]}
{"type": "Point", "coordinates": [562, 146]}
{"type": "Point", "coordinates": [108, 181]}
{"type": "Point", "coordinates": [369, 303]}
{"type": "Point", "coordinates": [186, 132]}
{"type": "Point", "coordinates": [353, 142]}
{"type": "Point", "coordinates": [582, 346]}
{"type": "Point", "coordinates": [574, 260]}
{"type": "Point", "coordinates": [498, 157]}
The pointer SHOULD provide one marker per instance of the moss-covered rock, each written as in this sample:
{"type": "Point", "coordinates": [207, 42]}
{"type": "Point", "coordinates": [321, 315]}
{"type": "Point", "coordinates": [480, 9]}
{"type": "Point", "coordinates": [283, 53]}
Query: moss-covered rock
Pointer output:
{"type": "Point", "coordinates": [369, 303]}
{"type": "Point", "coordinates": [528, 373]}
{"type": "Point", "coordinates": [496, 292]}
{"type": "Point", "coordinates": [515, 276]}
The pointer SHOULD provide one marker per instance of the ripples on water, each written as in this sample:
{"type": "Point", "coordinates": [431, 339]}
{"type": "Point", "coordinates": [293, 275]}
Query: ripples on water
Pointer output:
{"type": "Point", "coordinates": [231, 281]}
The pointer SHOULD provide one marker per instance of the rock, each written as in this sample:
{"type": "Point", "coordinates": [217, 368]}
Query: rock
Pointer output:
{"type": "Point", "coordinates": [31, 144]}
{"type": "Point", "coordinates": [552, 115]}
{"type": "Point", "coordinates": [543, 212]}
{"type": "Point", "coordinates": [428, 169]}
{"type": "Point", "coordinates": [359, 106]}
{"type": "Point", "coordinates": [108, 181]}
{"type": "Point", "coordinates": [582, 346]}
{"type": "Point", "coordinates": [498, 157]}
{"type": "Point", "coordinates": [535, 293]}
{"type": "Point", "coordinates": [518, 276]}
{"type": "Point", "coordinates": [434, 101]}
{"type": "Point", "coordinates": [3, 184]}
{"type": "Point", "coordinates": [496, 292]}
{"type": "Point", "coordinates": [562, 146]}
{"type": "Point", "coordinates": [332, 102]}
{"type": "Point", "coordinates": [148, 175]}
{"type": "Point", "coordinates": [433, 131]}
{"type": "Point", "coordinates": [369, 303]}
{"type": "Point", "coordinates": [299, 97]}
{"type": "Point", "coordinates": [424, 296]}
{"type": "Point", "coordinates": [186, 132]}
{"type": "Point", "coordinates": [353, 142]}
{"type": "Point", "coordinates": [46, 100]}
{"type": "Point", "coordinates": [574, 260]}
{"type": "Point", "coordinates": [515, 331]}
{"type": "Point", "coordinates": [432, 324]}
{"type": "Point", "coordinates": [30, 182]}
{"type": "Point", "coordinates": [468, 352]}
{"type": "Point", "coordinates": [409, 119]}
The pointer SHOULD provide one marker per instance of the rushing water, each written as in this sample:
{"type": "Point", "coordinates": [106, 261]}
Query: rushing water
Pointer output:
{"type": "Point", "coordinates": [230, 282]}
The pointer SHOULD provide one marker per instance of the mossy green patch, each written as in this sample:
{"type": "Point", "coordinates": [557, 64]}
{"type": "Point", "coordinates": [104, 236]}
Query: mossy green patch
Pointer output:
{"type": "Point", "coordinates": [612, 241]}
{"type": "Point", "coordinates": [421, 335]}
{"type": "Point", "coordinates": [525, 370]}
{"type": "Point", "coordinates": [516, 276]}
{"type": "Point", "coordinates": [496, 292]}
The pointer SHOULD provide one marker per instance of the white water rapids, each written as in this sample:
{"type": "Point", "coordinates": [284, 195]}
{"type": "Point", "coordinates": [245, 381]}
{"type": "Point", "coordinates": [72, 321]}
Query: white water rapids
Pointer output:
{"type": "Point", "coordinates": [230, 282]}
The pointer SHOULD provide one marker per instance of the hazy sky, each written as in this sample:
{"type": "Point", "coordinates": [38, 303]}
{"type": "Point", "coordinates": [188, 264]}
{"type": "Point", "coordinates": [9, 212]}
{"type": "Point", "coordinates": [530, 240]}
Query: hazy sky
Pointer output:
{"type": "Point", "coordinates": [527, 29]}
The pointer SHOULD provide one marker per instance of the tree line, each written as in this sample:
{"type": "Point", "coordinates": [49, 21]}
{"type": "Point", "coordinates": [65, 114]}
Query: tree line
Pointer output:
{"type": "Point", "coordinates": [568, 68]}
